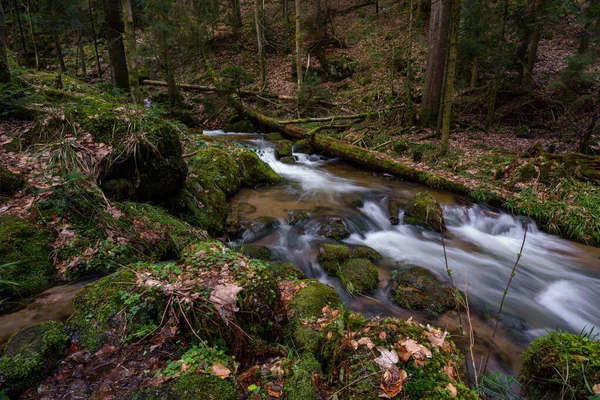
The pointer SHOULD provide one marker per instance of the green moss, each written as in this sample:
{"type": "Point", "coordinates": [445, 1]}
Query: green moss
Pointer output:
{"type": "Point", "coordinates": [9, 183]}
{"type": "Point", "coordinates": [286, 270]}
{"type": "Point", "coordinates": [331, 256]}
{"type": "Point", "coordinates": [425, 211]}
{"type": "Point", "coordinates": [214, 166]}
{"type": "Point", "coordinates": [416, 288]}
{"type": "Point", "coordinates": [300, 385]}
{"type": "Point", "coordinates": [253, 170]}
{"type": "Point", "coordinates": [304, 146]}
{"type": "Point", "coordinates": [32, 354]}
{"type": "Point", "coordinates": [202, 205]}
{"type": "Point", "coordinates": [290, 160]}
{"type": "Point", "coordinates": [525, 173]}
{"type": "Point", "coordinates": [561, 362]}
{"type": "Point", "coordinates": [243, 126]}
{"type": "Point", "coordinates": [190, 387]}
{"type": "Point", "coordinates": [26, 255]}
{"type": "Point", "coordinates": [283, 148]}
{"type": "Point", "coordinates": [256, 251]}
{"type": "Point", "coordinates": [295, 217]}
{"type": "Point", "coordinates": [334, 228]}
{"type": "Point", "coordinates": [359, 276]}
{"type": "Point", "coordinates": [310, 300]}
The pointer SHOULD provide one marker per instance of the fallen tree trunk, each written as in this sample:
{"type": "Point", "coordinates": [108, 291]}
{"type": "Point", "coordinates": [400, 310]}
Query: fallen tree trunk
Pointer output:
{"type": "Point", "coordinates": [334, 118]}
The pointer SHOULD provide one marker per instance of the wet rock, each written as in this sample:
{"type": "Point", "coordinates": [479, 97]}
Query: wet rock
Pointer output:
{"type": "Point", "coordinates": [331, 256]}
{"type": "Point", "coordinates": [333, 227]}
{"type": "Point", "coordinates": [290, 160]}
{"type": "Point", "coordinates": [216, 166]}
{"type": "Point", "coordinates": [253, 170]}
{"type": "Point", "coordinates": [283, 148]}
{"type": "Point", "coordinates": [304, 146]}
{"type": "Point", "coordinates": [274, 136]}
{"type": "Point", "coordinates": [27, 255]}
{"type": "Point", "coordinates": [423, 210]}
{"type": "Point", "coordinates": [295, 217]}
{"type": "Point", "coordinates": [10, 183]}
{"type": "Point", "coordinates": [32, 354]}
{"type": "Point", "coordinates": [394, 211]}
{"type": "Point", "coordinates": [257, 251]}
{"type": "Point", "coordinates": [240, 126]}
{"type": "Point", "coordinates": [310, 300]}
{"type": "Point", "coordinates": [417, 288]}
{"type": "Point", "coordinates": [259, 228]}
{"type": "Point", "coordinates": [358, 276]}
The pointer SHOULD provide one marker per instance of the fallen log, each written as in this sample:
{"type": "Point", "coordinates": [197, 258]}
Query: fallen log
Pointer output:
{"type": "Point", "coordinates": [336, 117]}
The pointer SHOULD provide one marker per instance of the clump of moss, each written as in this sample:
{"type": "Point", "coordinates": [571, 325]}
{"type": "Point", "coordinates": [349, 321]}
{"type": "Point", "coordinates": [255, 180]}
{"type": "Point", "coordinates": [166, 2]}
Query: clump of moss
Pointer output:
{"type": "Point", "coordinates": [290, 160]}
{"type": "Point", "coordinates": [561, 362]}
{"type": "Point", "coordinates": [283, 148]}
{"type": "Point", "coordinates": [304, 146]}
{"type": "Point", "coordinates": [32, 354]}
{"type": "Point", "coordinates": [331, 256]}
{"type": "Point", "coordinates": [9, 183]}
{"type": "Point", "coordinates": [295, 217]}
{"type": "Point", "coordinates": [26, 259]}
{"type": "Point", "coordinates": [286, 270]}
{"type": "Point", "coordinates": [191, 386]}
{"type": "Point", "coordinates": [256, 251]}
{"type": "Point", "coordinates": [217, 167]}
{"type": "Point", "coordinates": [310, 300]}
{"type": "Point", "coordinates": [416, 288]}
{"type": "Point", "coordinates": [359, 276]}
{"type": "Point", "coordinates": [242, 126]}
{"type": "Point", "coordinates": [253, 170]}
{"type": "Point", "coordinates": [300, 385]}
{"type": "Point", "coordinates": [425, 211]}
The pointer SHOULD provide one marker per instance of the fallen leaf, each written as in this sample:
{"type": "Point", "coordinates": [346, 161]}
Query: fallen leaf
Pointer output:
{"type": "Point", "coordinates": [382, 335]}
{"type": "Point", "coordinates": [224, 298]}
{"type": "Point", "coordinates": [365, 341]}
{"type": "Point", "coordinates": [274, 389]}
{"type": "Point", "coordinates": [449, 371]}
{"type": "Point", "coordinates": [220, 371]}
{"type": "Point", "coordinates": [596, 388]}
{"type": "Point", "coordinates": [391, 382]}
{"type": "Point", "coordinates": [450, 387]}
{"type": "Point", "coordinates": [329, 335]}
{"type": "Point", "coordinates": [387, 359]}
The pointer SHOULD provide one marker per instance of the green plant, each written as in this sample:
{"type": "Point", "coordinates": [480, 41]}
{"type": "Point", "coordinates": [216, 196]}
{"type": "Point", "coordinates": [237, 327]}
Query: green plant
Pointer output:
{"type": "Point", "coordinates": [198, 357]}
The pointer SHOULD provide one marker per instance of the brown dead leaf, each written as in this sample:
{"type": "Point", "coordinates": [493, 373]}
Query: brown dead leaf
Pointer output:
{"type": "Point", "coordinates": [275, 389]}
{"type": "Point", "coordinates": [391, 382]}
{"type": "Point", "coordinates": [449, 371]}
{"type": "Point", "coordinates": [329, 335]}
{"type": "Point", "coordinates": [224, 298]}
{"type": "Point", "coordinates": [248, 377]}
{"type": "Point", "coordinates": [596, 388]}
{"type": "Point", "coordinates": [453, 392]}
{"type": "Point", "coordinates": [382, 335]}
{"type": "Point", "coordinates": [220, 371]}
{"type": "Point", "coordinates": [387, 359]}
{"type": "Point", "coordinates": [365, 341]}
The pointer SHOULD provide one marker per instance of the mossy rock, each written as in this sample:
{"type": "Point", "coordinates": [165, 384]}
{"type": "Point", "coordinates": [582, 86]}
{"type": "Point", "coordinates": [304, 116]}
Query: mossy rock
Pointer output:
{"type": "Point", "coordinates": [304, 146]}
{"type": "Point", "coordinates": [423, 210]}
{"type": "Point", "coordinates": [253, 170]}
{"type": "Point", "coordinates": [394, 211]}
{"type": "Point", "coordinates": [290, 160]}
{"type": "Point", "coordinates": [310, 300]}
{"type": "Point", "coordinates": [257, 251]}
{"type": "Point", "coordinates": [286, 270]}
{"type": "Point", "coordinates": [359, 276]}
{"type": "Point", "coordinates": [25, 255]}
{"type": "Point", "coordinates": [333, 227]}
{"type": "Point", "coordinates": [551, 358]}
{"type": "Point", "coordinates": [242, 126]}
{"type": "Point", "coordinates": [214, 166]}
{"type": "Point", "coordinates": [192, 386]}
{"type": "Point", "coordinates": [526, 173]}
{"type": "Point", "coordinates": [417, 288]}
{"type": "Point", "coordinates": [201, 205]}
{"type": "Point", "coordinates": [31, 355]}
{"type": "Point", "coordinates": [300, 385]}
{"type": "Point", "coordinates": [259, 228]}
{"type": "Point", "coordinates": [331, 256]}
{"type": "Point", "coordinates": [295, 217]}
{"type": "Point", "coordinates": [283, 148]}
{"type": "Point", "coordinates": [10, 183]}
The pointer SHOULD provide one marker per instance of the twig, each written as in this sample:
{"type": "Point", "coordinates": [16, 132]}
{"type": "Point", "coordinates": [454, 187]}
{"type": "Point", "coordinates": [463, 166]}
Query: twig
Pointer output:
{"type": "Point", "coordinates": [471, 334]}
{"type": "Point", "coordinates": [352, 383]}
{"type": "Point", "coordinates": [449, 272]}
{"type": "Point", "coordinates": [382, 145]}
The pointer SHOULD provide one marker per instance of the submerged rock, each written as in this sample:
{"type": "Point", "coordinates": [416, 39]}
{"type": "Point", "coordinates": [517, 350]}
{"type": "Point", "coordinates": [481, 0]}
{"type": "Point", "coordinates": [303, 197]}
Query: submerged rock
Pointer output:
{"type": "Point", "coordinates": [290, 160]}
{"type": "Point", "coordinates": [26, 258]}
{"type": "Point", "coordinates": [259, 228]}
{"type": "Point", "coordinates": [31, 355]}
{"type": "Point", "coordinates": [425, 211]}
{"type": "Point", "coordinates": [417, 288]}
{"type": "Point", "coordinates": [295, 217]}
{"type": "Point", "coordinates": [394, 211]}
{"type": "Point", "coordinates": [333, 227]}
{"type": "Point", "coordinates": [256, 251]}
{"type": "Point", "coordinates": [332, 256]}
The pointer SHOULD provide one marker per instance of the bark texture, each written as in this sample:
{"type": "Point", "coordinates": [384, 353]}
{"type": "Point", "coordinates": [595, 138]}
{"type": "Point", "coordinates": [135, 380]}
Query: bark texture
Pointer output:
{"type": "Point", "coordinates": [450, 75]}
{"type": "Point", "coordinates": [115, 30]}
{"type": "Point", "coordinates": [4, 70]}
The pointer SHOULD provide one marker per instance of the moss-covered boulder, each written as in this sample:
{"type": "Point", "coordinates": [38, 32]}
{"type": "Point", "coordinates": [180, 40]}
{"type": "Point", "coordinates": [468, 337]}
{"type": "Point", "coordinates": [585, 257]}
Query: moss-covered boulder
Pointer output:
{"type": "Point", "coordinates": [295, 217]}
{"type": "Point", "coordinates": [192, 386]}
{"type": "Point", "coordinates": [283, 148]}
{"type": "Point", "coordinates": [253, 170]}
{"type": "Point", "coordinates": [201, 205]}
{"type": "Point", "coordinates": [258, 251]}
{"type": "Point", "coordinates": [10, 183]}
{"type": "Point", "coordinates": [304, 146]}
{"type": "Point", "coordinates": [394, 211]}
{"type": "Point", "coordinates": [240, 126]}
{"type": "Point", "coordinates": [561, 362]}
{"type": "Point", "coordinates": [300, 385]}
{"type": "Point", "coordinates": [286, 270]}
{"type": "Point", "coordinates": [310, 300]}
{"type": "Point", "coordinates": [332, 256]}
{"type": "Point", "coordinates": [259, 228]}
{"type": "Point", "coordinates": [26, 266]}
{"type": "Point", "coordinates": [290, 160]}
{"type": "Point", "coordinates": [215, 166]}
{"type": "Point", "coordinates": [417, 288]}
{"type": "Point", "coordinates": [358, 276]}
{"type": "Point", "coordinates": [32, 354]}
{"type": "Point", "coordinates": [423, 210]}
{"type": "Point", "coordinates": [333, 227]}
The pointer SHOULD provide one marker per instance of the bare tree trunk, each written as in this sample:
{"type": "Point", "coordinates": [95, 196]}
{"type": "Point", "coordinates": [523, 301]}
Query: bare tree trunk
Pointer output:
{"type": "Point", "coordinates": [498, 72]}
{"type": "Point", "coordinates": [436, 61]}
{"type": "Point", "coordinates": [258, 24]}
{"type": "Point", "coordinates": [533, 48]}
{"type": "Point", "coordinates": [33, 37]}
{"type": "Point", "coordinates": [21, 34]}
{"type": "Point", "coordinates": [94, 38]}
{"type": "Point", "coordinates": [236, 13]}
{"type": "Point", "coordinates": [450, 75]}
{"type": "Point", "coordinates": [59, 53]}
{"type": "Point", "coordinates": [521, 52]}
{"type": "Point", "coordinates": [409, 69]}
{"type": "Point", "coordinates": [285, 10]}
{"type": "Point", "coordinates": [130, 47]}
{"type": "Point", "coordinates": [4, 69]}
{"type": "Point", "coordinates": [298, 41]}
{"type": "Point", "coordinates": [318, 15]}
{"type": "Point", "coordinates": [174, 95]}
{"type": "Point", "coordinates": [114, 35]}
{"type": "Point", "coordinates": [82, 54]}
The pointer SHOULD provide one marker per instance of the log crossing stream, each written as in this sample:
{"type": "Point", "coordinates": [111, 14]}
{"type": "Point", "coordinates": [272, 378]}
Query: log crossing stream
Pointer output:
{"type": "Point", "coordinates": [557, 285]}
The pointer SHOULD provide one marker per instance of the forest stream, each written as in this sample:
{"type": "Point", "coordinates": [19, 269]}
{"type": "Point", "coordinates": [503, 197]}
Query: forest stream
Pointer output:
{"type": "Point", "coordinates": [557, 280]}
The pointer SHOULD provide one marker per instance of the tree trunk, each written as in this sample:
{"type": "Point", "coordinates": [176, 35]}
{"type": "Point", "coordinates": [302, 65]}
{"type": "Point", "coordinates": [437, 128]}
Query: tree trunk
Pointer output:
{"type": "Point", "coordinates": [116, 49]}
{"type": "Point", "coordinates": [436, 61]}
{"type": "Point", "coordinates": [4, 69]}
{"type": "Point", "coordinates": [33, 37]}
{"type": "Point", "coordinates": [298, 41]}
{"type": "Point", "coordinates": [130, 47]}
{"type": "Point", "coordinates": [82, 54]}
{"type": "Point", "coordinates": [584, 145]}
{"type": "Point", "coordinates": [533, 48]}
{"type": "Point", "coordinates": [496, 80]}
{"type": "Point", "coordinates": [94, 38]}
{"type": "Point", "coordinates": [318, 16]}
{"type": "Point", "coordinates": [59, 53]}
{"type": "Point", "coordinates": [258, 24]}
{"type": "Point", "coordinates": [236, 14]}
{"type": "Point", "coordinates": [521, 52]}
{"type": "Point", "coordinates": [21, 34]}
{"type": "Point", "coordinates": [285, 11]}
{"type": "Point", "coordinates": [175, 98]}
{"type": "Point", "coordinates": [450, 74]}
{"type": "Point", "coordinates": [584, 38]}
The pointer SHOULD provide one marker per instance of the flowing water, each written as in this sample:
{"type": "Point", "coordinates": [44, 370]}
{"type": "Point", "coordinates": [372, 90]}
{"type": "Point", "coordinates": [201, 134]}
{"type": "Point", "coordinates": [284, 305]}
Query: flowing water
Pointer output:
{"type": "Point", "coordinates": [557, 285]}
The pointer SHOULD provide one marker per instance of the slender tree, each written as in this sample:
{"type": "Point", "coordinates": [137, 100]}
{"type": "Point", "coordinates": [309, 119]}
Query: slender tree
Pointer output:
{"type": "Point", "coordinates": [20, 25]}
{"type": "Point", "coordinates": [298, 47]}
{"type": "Point", "coordinates": [236, 13]}
{"type": "Point", "coordinates": [4, 69]}
{"type": "Point", "coordinates": [94, 38]}
{"type": "Point", "coordinates": [131, 46]}
{"type": "Point", "coordinates": [498, 69]}
{"type": "Point", "coordinates": [81, 53]}
{"type": "Point", "coordinates": [535, 41]}
{"type": "Point", "coordinates": [32, 34]}
{"type": "Point", "coordinates": [56, 36]}
{"type": "Point", "coordinates": [258, 24]}
{"type": "Point", "coordinates": [436, 61]}
{"type": "Point", "coordinates": [450, 75]}
{"type": "Point", "coordinates": [114, 35]}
